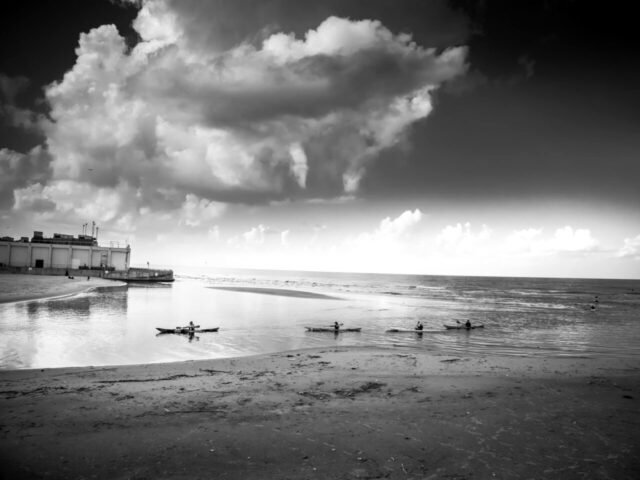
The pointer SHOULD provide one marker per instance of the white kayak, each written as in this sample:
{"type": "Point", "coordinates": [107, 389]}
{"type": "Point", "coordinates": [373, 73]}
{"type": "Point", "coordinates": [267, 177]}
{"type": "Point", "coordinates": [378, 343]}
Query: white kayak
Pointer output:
{"type": "Point", "coordinates": [404, 330]}
{"type": "Point", "coordinates": [332, 329]}
{"type": "Point", "coordinates": [462, 326]}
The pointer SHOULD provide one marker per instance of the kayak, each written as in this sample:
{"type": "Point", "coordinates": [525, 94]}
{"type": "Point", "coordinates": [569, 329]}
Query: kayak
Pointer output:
{"type": "Point", "coordinates": [187, 330]}
{"type": "Point", "coordinates": [331, 329]}
{"type": "Point", "coordinates": [462, 326]}
{"type": "Point", "coordinates": [404, 330]}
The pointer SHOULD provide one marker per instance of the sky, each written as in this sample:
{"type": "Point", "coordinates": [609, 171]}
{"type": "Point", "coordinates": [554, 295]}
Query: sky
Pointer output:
{"type": "Point", "coordinates": [424, 137]}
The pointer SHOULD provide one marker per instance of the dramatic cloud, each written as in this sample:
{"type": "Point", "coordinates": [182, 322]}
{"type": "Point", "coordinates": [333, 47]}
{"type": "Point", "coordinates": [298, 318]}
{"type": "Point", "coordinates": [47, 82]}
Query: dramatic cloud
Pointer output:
{"type": "Point", "coordinates": [173, 123]}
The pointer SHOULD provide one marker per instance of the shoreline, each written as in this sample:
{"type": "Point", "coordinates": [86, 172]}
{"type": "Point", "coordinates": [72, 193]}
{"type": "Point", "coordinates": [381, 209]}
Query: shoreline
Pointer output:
{"type": "Point", "coordinates": [18, 288]}
{"type": "Point", "coordinates": [337, 412]}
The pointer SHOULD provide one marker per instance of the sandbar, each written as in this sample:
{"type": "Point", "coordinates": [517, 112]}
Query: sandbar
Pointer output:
{"type": "Point", "coordinates": [23, 287]}
{"type": "Point", "coordinates": [283, 292]}
{"type": "Point", "coordinates": [340, 412]}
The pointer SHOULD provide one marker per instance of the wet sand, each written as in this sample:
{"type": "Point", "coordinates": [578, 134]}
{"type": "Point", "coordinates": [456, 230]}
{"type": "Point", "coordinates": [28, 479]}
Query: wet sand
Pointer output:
{"type": "Point", "coordinates": [347, 413]}
{"type": "Point", "coordinates": [283, 292]}
{"type": "Point", "coordinates": [21, 287]}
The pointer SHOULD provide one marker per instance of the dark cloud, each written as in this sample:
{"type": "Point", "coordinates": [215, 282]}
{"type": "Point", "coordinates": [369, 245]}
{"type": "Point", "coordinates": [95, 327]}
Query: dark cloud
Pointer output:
{"type": "Point", "coordinates": [18, 170]}
{"type": "Point", "coordinates": [219, 25]}
{"type": "Point", "coordinates": [12, 114]}
{"type": "Point", "coordinates": [11, 87]}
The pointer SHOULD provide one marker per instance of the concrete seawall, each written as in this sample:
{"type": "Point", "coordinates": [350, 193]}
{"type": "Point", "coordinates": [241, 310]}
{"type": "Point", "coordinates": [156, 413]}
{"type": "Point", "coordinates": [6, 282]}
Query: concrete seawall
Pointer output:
{"type": "Point", "coordinates": [130, 275]}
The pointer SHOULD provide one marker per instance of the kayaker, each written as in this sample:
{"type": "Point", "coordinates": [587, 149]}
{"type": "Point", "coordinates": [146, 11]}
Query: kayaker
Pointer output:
{"type": "Point", "coordinates": [419, 325]}
{"type": "Point", "coordinates": [336, 326]}
{"type": "Point", "coordinates": [468, 324]}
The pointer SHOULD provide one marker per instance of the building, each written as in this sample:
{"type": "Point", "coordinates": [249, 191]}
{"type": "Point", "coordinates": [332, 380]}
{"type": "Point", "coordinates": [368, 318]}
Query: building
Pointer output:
{"type": "Point", "coordinates": [62, 252]}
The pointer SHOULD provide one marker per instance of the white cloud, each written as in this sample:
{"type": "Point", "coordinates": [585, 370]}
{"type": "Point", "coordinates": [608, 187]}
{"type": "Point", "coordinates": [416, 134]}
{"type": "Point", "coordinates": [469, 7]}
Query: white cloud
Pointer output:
{"type": "Point", "coordinates": [255, 236]}
{"type": "Point", "coordinates": [390, 231]}
{"type": "Point", "coordinates": [631, 248]}
{"type": "Point", "coordinates": [462, 239]}
{"type": "Point", "coordinates": [299, 166]}
{"type": "Point", "coordinates": [197, 211]}
{"type": "Point", "coordinates": [566, 239]}
{"type": "Point", "coordinates": [284, 238]}
{"type": "Point", "coordinates": [399, 225]}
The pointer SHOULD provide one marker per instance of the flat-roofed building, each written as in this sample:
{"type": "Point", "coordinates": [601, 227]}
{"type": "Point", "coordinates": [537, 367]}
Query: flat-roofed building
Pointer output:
{"type": "Point", "coordinates": [62, 251]}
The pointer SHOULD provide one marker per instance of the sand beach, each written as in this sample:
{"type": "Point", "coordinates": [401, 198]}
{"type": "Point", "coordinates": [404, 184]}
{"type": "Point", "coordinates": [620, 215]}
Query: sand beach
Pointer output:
{"type": "Point", "coordinates": [325, 413]}
{"type": "Point", "coordinates": [338, 412]}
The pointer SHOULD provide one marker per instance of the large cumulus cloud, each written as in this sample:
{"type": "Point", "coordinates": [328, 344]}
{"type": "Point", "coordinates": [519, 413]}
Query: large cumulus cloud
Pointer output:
{"type": "Point", "coordinates": [170, 126]}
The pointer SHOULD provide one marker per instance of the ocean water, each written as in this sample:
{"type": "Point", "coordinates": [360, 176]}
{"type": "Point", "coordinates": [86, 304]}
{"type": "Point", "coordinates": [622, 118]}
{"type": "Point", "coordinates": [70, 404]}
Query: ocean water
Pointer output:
{"type": "Point", "coordinates": [522, 317]}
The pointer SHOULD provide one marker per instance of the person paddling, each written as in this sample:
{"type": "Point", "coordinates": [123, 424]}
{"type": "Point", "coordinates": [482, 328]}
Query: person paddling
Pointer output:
{"type": "Point", "coordinates": [468, 324]}
{"type": "Point", "coordinates": [336, 326]}
{"type": "Point", "coordinates": [419, 325]}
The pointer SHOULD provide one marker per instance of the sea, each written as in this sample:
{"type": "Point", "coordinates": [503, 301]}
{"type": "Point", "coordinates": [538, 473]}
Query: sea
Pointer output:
{"type": "Point", "coordinates": [267, 311]}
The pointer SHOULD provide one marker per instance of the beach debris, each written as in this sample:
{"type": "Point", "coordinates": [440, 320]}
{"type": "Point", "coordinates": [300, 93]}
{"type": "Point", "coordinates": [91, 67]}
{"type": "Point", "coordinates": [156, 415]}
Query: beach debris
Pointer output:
{"type": "Point", "coordinates": [365, 387]}
{"type": "Point", "coordinates": [316, 395]}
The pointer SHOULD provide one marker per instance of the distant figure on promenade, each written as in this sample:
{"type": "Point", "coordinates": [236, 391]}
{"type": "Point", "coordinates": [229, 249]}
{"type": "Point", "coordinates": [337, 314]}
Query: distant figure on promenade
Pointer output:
{"type": "Point", "coordinates": [419, 325]}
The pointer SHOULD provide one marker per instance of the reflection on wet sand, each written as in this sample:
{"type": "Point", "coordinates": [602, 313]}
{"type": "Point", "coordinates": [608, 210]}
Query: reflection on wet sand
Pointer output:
{"type": "Point", "coordinates": [77, 306]}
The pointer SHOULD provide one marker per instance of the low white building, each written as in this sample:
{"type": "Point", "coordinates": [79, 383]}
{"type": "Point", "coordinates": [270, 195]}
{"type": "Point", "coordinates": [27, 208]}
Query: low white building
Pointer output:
{"type": "Point", "coordinates": [62, 252]}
